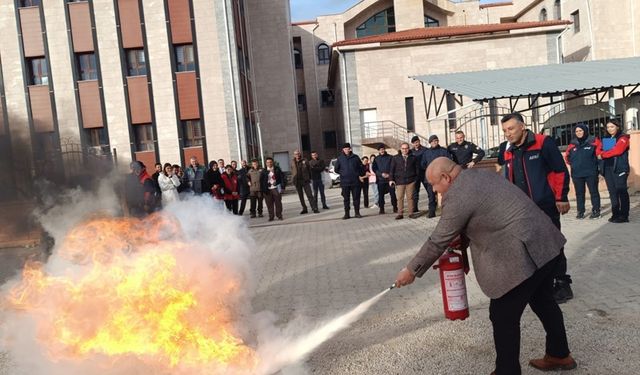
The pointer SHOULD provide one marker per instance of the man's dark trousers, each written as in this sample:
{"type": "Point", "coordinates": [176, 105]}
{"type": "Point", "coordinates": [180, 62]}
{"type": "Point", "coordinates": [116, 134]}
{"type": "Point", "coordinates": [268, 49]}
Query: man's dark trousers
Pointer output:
{"type": "Point", "coordinates": [592, 183]}
{"type": "Point", "coordinates": [561, 270]}
{"type": "Point", "coordinates": [300, 186]}
{"type": "Point", "coordinates": [354, 192]}
{"type": "Point", "coordinates": [416, 192]}
{"type": "Point", "coordinates": [505, 314]}
{"type": "Point", "coordinates": [433, 199]}
{"type": "Point", "coordinates": [318, 186]}
{"type": "Point", "coordinates": [384, 188]}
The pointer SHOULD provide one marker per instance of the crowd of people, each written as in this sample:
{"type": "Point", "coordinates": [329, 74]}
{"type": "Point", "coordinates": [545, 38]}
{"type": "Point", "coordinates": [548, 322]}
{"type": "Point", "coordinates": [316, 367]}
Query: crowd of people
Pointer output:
{"type": "Point", "coordinates": [228, 184]}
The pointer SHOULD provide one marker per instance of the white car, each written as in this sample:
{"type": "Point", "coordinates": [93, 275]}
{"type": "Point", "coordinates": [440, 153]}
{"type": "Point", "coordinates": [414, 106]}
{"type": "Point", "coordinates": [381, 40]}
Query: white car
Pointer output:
{"type": "Point", "coordinates": [335, 178]}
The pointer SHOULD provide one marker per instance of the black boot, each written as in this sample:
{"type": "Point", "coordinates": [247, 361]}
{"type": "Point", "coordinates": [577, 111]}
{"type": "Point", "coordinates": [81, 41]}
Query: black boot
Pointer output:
{"type": "Point", "coordinates": [594, 214]}
{"type": "Point", "coordinates": [381, 212]}
{"type": "Point", "coordinates": [562, 291]}
{"type": "Point", "coordinates": [431, 214]}
{"type": "Point", "coordinates": [346, 215]}
{"type": "Point", "coordinates": [357, 216]}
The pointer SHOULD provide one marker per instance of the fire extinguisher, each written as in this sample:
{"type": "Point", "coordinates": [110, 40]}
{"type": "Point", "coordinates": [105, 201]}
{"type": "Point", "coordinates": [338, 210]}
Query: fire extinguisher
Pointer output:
{"type": "Point", "coordinates": [453, 266]}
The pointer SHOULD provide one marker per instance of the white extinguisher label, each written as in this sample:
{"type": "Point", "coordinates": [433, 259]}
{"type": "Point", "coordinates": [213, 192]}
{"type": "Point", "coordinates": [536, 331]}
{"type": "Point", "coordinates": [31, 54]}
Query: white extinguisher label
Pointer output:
{"type": "Point", "coordinates": [456, 290]}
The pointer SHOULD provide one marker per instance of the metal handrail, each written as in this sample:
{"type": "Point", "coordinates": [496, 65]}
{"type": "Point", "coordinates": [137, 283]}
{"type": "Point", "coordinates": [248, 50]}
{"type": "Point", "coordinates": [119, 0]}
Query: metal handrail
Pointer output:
{"type": "Point", "coordinates": [388, 128]}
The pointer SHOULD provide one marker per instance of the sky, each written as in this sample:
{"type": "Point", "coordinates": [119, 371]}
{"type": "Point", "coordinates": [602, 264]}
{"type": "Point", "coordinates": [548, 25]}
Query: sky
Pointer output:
{"type": "Point", "coordinates": [303, 10]}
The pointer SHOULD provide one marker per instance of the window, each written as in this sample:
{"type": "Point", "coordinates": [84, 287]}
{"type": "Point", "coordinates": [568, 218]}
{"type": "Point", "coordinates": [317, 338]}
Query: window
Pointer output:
{"type": "Point", "coordinates": [184, 58]}
{"type": "Point", "coordinates": [144, 138]}
{"type": "Point", "coordinates": [302, 102]}
{"type": "Point", "coordinates": [430, 22]}
{"type": "Point", "coordinates": [410, 115]}
{"type": "Point", "coordinates": [306, 142]}
{"type": "Point", "coordinates": [97, 141]}
{"type": "Point", "coordinates": [136, 62]}
{"type": "Point", "coordinates": [575, 18]}
{"type": "Point", "coordinates": [330, 140]}
{"type": "Point", "coordinates": [297, 58]}
{"type": "Point", "coordinates": [87, 66]}
{"type": "Point", "coordinates": [38, 72]}
{"type": "Point", "coordinates": [192, 133]}
{"type": "Point", "coordinates": [381, 23]}
{"type": "Point", "coordinates": [327, 98]}
{"type": "Point", "coordinates": [29, 3]}
{"type": "Point", "coordinates": [557, 11]}
{"type": "Point", "coordinates": [324, 55]}
{"type": "Point", "coordinates": [543, 14]}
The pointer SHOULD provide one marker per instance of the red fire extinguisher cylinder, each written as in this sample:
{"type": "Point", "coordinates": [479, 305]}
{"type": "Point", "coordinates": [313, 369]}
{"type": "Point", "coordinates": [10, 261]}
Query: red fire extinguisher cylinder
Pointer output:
{"type": "Point", "coordinates": [454, 290]}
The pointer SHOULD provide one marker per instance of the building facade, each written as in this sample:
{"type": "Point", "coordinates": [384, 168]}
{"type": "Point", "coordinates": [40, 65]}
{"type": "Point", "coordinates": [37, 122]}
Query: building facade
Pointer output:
{"type": "Point", "coordinates": [154, 81]}
{"type": "Point", "coordinates": [377, 45]}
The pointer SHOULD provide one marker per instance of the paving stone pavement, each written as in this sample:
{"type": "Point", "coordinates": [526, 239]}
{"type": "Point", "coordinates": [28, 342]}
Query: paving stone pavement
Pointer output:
{"type": "Point", "coordinates": [317, 266]}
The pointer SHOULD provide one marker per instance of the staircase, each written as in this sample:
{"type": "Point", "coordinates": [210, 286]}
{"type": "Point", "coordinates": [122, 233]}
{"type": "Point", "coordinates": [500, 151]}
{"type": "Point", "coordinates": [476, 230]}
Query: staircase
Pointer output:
{"type": "Point", "coordinates": [388, 132]}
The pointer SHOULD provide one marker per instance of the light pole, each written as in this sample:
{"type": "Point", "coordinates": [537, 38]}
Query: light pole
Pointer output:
{"type": "Point", "coordinates": [260, 145]}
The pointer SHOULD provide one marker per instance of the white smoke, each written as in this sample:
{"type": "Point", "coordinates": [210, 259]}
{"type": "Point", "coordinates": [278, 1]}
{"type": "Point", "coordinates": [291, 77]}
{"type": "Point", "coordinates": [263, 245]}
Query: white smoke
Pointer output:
{"type": "Point", "coordinates": [217, 237]}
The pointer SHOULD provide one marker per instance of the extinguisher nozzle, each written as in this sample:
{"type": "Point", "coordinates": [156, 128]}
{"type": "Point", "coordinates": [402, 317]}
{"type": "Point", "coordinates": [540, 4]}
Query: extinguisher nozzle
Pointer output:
{"type": "Point", "coordinates": [392, 286]}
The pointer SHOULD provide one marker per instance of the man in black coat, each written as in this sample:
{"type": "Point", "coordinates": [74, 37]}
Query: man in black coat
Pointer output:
{"type": "Point", "coordinates": [463, 151]}
{"type": "Point", "coordinates": [382, 168]}
{"type": "Point", "coordinates": [431, 154]}
{"type": "Point", "coordinates": [349, 167]}
{"type": "Point", "coordinates": [418, 150]}
{"type": "Point", "coordinates": [404, 172]}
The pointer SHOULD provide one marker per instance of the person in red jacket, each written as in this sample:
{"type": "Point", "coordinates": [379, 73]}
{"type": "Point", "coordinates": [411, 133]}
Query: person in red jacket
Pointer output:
{"type": "Point", "coordinates": [535, 165]}
{"type": "Point", "coordinates": [230, 186]}
{"type": "Point", "coordinates": [582, 155]}
{"type": "Point", "coordinates": [615, 156]}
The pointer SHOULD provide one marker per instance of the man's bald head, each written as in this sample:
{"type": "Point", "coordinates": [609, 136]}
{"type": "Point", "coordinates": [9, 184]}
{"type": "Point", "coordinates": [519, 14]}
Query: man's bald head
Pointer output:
{"type": "Point", "coordinates": [441, 173]}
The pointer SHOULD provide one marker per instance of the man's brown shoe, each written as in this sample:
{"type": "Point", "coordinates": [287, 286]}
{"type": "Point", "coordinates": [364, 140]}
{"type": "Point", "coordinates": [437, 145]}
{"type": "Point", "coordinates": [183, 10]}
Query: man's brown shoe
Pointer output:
{"type": "Point", "coordinates": [549, 363]}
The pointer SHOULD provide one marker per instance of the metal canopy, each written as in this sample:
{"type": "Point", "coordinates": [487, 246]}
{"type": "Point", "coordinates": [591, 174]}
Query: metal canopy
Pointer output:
{"type": "Point", "coordinates": [535, 81]}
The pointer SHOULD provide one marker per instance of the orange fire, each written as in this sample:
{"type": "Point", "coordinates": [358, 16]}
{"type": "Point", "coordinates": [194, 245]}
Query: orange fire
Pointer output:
{"type": "Point", "coordinates": [136, 288]}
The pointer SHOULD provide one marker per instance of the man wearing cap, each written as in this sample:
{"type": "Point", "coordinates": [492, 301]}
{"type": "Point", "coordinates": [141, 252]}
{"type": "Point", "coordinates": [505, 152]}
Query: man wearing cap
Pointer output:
{"type": "Point", "coordinates": [382, 168]}
{"type": "Point", "coordinates": [463, 151]}
{"type": "Point", "coordinates": [349, 167]}
{"type": "Point", "coordinates": [432, 153]}
{"type": "Point", "coordinates": [417, 151]}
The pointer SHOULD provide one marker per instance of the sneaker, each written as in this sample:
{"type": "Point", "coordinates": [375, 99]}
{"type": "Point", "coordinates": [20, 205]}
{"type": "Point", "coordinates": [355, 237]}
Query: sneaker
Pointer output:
{"type": "Point", "coordinates": [549, 363]}
{"type": "Point", "coordinates": [280, 218]}
{"type": "Point", "coordinates": [580, 215]}
{"type": "Point", "coordinates": [358, 216]}
{"type": "Point", "coordinates": [594, 215]}
{"type": "Point", "coordinates": [399, 217]}
{"type": "Point", "coordinates": [562, 291]}
{"type": "Point", "coordinates": [613, 218]}
{"type": "Point", "coordinates": [414, 215]}
{"type": "Point", "coordinates": [325, 207]}
{"type": "Point", "coordinates": [316, 211]}
{"type": "Point", "coordinates": [304, 212]}
{"type": "Point", "coordinates": [259, 215]}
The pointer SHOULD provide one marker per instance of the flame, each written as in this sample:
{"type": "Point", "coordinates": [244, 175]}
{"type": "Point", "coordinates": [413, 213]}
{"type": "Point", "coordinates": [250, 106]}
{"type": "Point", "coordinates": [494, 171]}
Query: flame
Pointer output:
{"type": "Point", "coordinates": [135, 287]}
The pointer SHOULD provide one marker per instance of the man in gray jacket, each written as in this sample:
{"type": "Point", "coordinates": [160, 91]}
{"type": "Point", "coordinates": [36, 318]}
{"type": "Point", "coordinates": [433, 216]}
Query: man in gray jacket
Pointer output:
{"type": "Point", "coordinates": [515, 249]}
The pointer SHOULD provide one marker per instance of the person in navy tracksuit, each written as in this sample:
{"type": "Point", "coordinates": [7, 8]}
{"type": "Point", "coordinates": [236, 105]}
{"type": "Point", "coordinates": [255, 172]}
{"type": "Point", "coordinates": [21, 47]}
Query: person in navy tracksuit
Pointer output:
{"type": "Point", "coordinates": [616, 172]}
{"type": "Point", "coordinates": [534, 164]}
{"type": "Point", "coordinates": [582, 155]}
{"type": "Point", "coordinates": [350, 168]}
{"type": "Point", "coordinates": [431, 154]}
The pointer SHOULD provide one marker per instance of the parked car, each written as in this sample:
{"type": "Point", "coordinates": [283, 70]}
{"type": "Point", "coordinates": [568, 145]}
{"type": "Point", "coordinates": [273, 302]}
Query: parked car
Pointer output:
{"type": "Point", "coordinates": [335, 178]}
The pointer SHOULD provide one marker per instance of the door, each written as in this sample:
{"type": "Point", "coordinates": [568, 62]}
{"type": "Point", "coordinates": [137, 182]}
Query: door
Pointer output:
{"type": "Point", "coordinates": [282, 160]}
{"type": "Point", "coordinates": [368, 119]}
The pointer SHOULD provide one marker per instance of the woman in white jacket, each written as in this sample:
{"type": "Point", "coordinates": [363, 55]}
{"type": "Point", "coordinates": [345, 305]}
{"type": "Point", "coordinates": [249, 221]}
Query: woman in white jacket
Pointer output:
{"type": "Point", "coordinates": [169, 183]}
